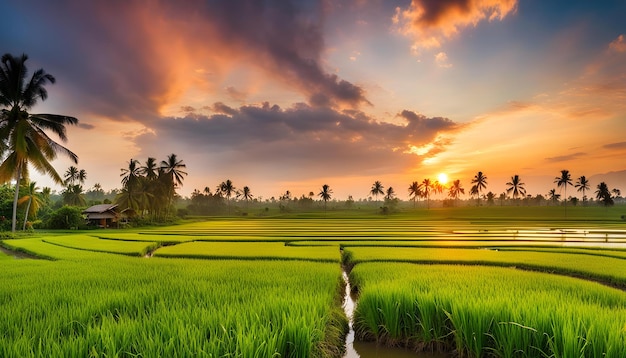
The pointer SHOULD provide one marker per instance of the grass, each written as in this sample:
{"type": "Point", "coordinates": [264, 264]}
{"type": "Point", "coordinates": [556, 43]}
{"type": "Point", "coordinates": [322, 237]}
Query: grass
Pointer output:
{"type": "Point", "coordinates": [91, 243]}
{"type": "Point", "coordinates": [606, 269]}
{"type": "Point", "coordinates": [123, 306]}
{"type": "Point", "coordinates": [488, 311]}
{"type": "Point", "coordinates": [250, 251]}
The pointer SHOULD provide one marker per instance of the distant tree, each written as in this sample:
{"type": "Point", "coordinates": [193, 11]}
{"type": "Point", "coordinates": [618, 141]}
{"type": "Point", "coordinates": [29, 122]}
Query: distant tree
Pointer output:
{"type": "Point", "coordinates": [130, 175]}
{"type": "Point", "coordinates": [73, 195]}
{"type": "Point", "coordinates": [377, 189]}
{"type": "Point", "coordinates": [246, 194]}
{"type": "Point", "coordinates": [390, 194]}
{"type": "Point", "coordinates": [502, 198]}
{"type": "Point", "coordinates": [554, 197]}
{"type": "Point", "coordinates": [325, 194]}
{"type": "Point", "coordinates": [415, 190]}
{"type": "Point", "coordinates": [427, 186]}
{"type": "Point", "coordinates": [23, 135]}
{"type": "Point", "coordinates": [172, 173]}
{"type": "Point", "coordinates": [616, 192]}
{"type": "Point", "coordinates": [583, 185]}
{"type": "Point", "coordinates": [475, 192]}
{"type": "Point", "coordinates": [227, 189]}
{"type": "Point", "coordinates": [456, 189]}
{"type": "Point", "coordinates": [480, 181]}
{"type": "Point", "coordinates": [563, 181]}
{"type": "Point", "coordinates": [516, 187]}
{"type": "Point", "coordinates": [603, 194]}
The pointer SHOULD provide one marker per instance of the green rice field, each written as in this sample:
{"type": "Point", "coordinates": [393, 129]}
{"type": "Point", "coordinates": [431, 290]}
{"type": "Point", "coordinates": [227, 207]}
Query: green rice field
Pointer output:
{"type": "Point", "coordinates": [467, 282]}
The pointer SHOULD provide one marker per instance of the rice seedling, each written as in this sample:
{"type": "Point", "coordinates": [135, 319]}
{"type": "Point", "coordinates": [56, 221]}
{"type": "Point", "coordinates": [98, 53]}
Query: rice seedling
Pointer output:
{"type": "Point", "coordinates": [90, 243]}
{"type": "Point", "coordinates": [249, 250]}
{"type": "Point", "coordinates": [123, 306]}
{"type": "Point", "coordinates": [606, 269]}
{"type": "Point", "coordinates": [488, 311]}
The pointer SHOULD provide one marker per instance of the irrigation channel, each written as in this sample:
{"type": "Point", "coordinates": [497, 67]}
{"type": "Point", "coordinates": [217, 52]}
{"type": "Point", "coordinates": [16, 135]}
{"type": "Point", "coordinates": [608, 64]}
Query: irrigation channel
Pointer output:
{"type": "Point", "coordinates": [355, 349]}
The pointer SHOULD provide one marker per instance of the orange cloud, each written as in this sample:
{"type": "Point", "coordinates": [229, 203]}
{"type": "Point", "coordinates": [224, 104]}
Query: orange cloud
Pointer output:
{"type": "Point", "coordinates": [618, 45]}
{"type": "Point", "coordinates": [431, 22]}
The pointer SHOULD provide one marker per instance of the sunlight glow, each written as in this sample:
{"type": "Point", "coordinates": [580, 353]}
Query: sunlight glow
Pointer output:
{"type": "Point", "coordinates": [442, 178]}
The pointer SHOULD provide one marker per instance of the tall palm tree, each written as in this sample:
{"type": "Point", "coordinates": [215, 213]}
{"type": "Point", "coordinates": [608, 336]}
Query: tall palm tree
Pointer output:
{"type": "Point", "coordinates": [390, 194]}
{"type": "Point", "coordinates": [23, 135]}
{"type": "Point", "coordinates": [71, 175]}
{"type": "Point", "coordinates": [427, 185]}
{"type": "Point", "coordinates": [563, 181]}
{"type": "Point", "coordinates": [603, 193]}
{"type": "Point", "coordinates": [150, 169]}
{"type": "Point", "coordinates": [227, 189]}
{"type": "Point", "coordinates": [33, 201]}
{"type": "Point", "coordinates": [583, 185]}
{"type": "Point", "coordinates": [480, 180]}
{"type": "Point", "coordinates": [82, 176]}
{"type": "Point", "coordinates": [616, 192]}
{"type": "Point", "coordinates": [246, 194]}
{"type": "Point", "coordinates": [174, 168]}
{"type": "Point", "coordinates": [377, 189]}
{"type": "Point", "coordinates": [516, 186]}
{"type": "Point", "coordinates": [456, 189]}
{"type": "Point", "coordinates": [325, 194]}
{"type": "Point", "coordinates": [130, 175]}
{"type": "Point", "coordinates": [414, 191]}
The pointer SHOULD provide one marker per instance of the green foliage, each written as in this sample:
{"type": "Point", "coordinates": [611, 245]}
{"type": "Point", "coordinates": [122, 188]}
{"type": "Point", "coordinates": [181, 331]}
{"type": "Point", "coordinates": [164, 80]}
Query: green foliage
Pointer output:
{"type": "Point", "coordinates": [67, 217]}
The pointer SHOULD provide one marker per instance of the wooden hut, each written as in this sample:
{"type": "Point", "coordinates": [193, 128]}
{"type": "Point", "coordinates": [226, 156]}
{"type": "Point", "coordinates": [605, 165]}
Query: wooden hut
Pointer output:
{"type": "Point", "coordinates": [103, 215]}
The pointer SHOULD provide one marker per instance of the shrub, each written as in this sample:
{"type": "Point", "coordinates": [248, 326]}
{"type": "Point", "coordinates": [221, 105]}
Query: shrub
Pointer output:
{"type": "Point", "coordinates": [67, 217]}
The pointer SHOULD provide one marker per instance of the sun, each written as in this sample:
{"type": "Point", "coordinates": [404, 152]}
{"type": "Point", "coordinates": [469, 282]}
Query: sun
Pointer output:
{"type": "Point", "coordinates": [442, 178]}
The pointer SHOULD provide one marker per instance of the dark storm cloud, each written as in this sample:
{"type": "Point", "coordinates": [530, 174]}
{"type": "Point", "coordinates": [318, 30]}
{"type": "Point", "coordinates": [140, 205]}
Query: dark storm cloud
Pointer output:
{"type": "Point", "coordinates": [289, 36]}
{"type": "Point", "coordinates": [126, 60]}
{"type": "Point", "coordinates": [299, 140]}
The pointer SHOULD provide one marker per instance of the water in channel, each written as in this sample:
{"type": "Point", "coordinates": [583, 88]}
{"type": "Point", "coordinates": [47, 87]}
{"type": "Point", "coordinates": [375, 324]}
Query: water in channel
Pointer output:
{"type": "Point", "coordinates": [371, 349]}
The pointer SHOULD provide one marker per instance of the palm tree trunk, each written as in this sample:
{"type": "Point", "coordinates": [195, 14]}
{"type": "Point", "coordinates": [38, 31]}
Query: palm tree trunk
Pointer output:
{"type": "Point", "coordinates": [16, 196]}
{"type": "Point", "coordinates": [30, 199]}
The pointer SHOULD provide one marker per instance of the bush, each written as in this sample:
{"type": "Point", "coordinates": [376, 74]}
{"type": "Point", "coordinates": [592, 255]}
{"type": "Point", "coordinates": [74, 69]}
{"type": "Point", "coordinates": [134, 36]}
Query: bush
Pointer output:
{"type": "Point", "coordinates": [67, 217]}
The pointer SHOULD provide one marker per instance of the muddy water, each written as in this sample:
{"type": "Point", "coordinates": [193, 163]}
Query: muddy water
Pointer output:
{"type": "Point", "coordinates": [370, 349]}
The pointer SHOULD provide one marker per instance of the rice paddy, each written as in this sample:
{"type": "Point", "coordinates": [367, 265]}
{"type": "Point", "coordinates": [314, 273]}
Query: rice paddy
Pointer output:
{"type": "Point", "coordinates": [262, 287]}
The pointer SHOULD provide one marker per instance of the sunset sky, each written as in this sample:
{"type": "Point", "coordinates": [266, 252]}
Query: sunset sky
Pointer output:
{"type": "Point", "coordinates": [289, 95]}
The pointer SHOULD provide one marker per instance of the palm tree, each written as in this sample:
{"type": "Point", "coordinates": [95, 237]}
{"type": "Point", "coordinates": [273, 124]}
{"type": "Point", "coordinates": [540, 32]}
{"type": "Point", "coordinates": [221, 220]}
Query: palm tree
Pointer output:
{"type": "Point", "coordinates": [516, 186]}
{"type": "Point", "coordinates": [73, 195]}
{"type": "Point", "coordinates": [325, 194]}
{"type": "Point", "coordinates": [603, 193]}
{"type": "Point", "coordinates": [227, 189]}
{"type": "Point", "coordinates": [173, 174]}
{"type": "Point", "coordinates": [456, 189]}
{"type": "Point", "coordinates": [174, 168]}
{"type": "Point", "coordinates": [23, 135]}
{"type": "Point", "coordinates": [246, 194]}
{"type": "Point", "coordinates": [390, 193]}
{"type": "Point", "coordinates": [553, 195]}
{"type": "Point", "coordinates": [33, 200]}
{"type": "Point", "coordinates": [130, 175]}
{"type": "Point", "coordinates": [563, 181]}
{"type": "Point", "coordinates": [427, 185]}
{"type": "Point", "coordinates": [377, 189]}
{"type": "Point", "coordinates": [480, 181]}
{"type": "Point", "coordinates": [71, 175]}
{"type": "Point", "coordinates": [583, 185]}
{"type": "Point", "coordinates": [150, 169]}
{"type": "Point", "coordinates": [414, 191]}
{"type": "Point", "coordinates": [616, 192]}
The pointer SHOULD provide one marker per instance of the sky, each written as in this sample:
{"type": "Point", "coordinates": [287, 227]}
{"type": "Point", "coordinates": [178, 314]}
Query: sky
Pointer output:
{"type": "Point", "coordinates": [284, 95]}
